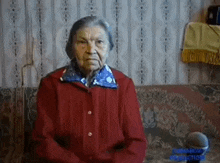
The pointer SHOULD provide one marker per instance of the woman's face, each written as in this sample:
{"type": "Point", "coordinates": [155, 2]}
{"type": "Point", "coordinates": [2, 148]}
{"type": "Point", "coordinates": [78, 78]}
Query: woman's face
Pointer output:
{"type": "Point", "coordinates": [91, 48]}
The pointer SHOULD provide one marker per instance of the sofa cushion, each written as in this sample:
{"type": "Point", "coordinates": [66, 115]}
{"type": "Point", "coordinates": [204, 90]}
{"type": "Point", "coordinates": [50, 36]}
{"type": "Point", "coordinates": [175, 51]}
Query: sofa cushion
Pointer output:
{"type": "Point", "coordinates": [170, 113]}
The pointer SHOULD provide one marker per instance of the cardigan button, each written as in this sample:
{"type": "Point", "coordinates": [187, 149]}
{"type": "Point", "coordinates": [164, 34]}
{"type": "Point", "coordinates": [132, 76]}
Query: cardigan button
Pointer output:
{"type": "Point", "coordinates": [89, 112]}
{"type": "Point", "coordinates": [89, 134]}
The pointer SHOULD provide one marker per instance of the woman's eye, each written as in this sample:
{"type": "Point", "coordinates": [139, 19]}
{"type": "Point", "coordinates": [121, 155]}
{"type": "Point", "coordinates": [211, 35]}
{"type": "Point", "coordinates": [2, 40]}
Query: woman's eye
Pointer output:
{"type": "Point", "coordinates": [82, 42]}
{"type": "Point", "coordinates": [100, 42]}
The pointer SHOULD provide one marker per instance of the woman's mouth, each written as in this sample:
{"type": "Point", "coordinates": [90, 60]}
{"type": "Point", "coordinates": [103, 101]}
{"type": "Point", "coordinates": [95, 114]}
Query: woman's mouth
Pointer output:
{"type": "Point", "coordinates": [91, 59]}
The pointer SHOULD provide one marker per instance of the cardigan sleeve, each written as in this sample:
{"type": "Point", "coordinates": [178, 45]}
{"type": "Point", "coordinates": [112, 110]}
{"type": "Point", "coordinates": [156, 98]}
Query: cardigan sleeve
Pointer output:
{"type": "Point", "coordinates": [44, 130]}
{"type": "Point", "coordinates": [135, 140]}
{"type": "Point", "coordinates": [135, 143]}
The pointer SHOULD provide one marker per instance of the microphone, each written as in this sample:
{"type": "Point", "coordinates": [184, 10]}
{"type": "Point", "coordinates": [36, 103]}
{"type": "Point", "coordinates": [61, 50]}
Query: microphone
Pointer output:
{"type": "Point", "coordinates": [197, 143]}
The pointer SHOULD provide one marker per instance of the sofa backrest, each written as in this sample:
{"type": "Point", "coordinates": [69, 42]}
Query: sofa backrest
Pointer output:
{"type": "Point", "coordinates": [169, 114]}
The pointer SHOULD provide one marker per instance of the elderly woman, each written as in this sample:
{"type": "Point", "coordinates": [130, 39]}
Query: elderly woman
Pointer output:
{"type": "Point", "coordinates": [87, 111]}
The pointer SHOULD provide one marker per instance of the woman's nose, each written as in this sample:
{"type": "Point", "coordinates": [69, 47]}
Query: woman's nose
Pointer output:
{"type": "Point", "coordinates": [91, 48]}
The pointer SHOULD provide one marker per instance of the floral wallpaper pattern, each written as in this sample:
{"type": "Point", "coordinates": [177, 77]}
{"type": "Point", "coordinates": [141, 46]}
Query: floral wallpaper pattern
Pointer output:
{"type": "Point", "coordinates": [148, 37]}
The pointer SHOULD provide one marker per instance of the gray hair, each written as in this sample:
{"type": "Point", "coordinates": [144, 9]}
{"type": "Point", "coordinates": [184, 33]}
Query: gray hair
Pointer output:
{"type": "Point", "coordinates": [85, 21]}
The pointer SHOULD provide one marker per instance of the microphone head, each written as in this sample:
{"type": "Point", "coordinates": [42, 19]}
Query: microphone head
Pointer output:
{"type": "Point", "coordinates": [197, 144]}
{"type": "Point", "coordinates": [197, 140]}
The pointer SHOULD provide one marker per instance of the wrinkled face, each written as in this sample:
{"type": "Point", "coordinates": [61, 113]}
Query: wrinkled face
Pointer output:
{"type": "Point", "coordinates": [91, 48]}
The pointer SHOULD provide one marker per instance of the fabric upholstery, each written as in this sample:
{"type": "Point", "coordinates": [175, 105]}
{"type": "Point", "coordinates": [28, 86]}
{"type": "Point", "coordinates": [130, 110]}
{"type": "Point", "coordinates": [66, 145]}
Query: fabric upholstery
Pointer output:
{"type": "Point", "coordinates": [169, 114]}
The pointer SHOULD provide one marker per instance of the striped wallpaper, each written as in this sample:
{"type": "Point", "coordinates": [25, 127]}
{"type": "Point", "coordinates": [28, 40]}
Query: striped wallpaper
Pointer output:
{"type": "Point", "coordinates": [148, 37]}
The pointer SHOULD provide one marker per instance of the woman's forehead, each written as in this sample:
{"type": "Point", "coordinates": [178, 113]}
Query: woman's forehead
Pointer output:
{"type": "Point", "coordinates": [91, 31]}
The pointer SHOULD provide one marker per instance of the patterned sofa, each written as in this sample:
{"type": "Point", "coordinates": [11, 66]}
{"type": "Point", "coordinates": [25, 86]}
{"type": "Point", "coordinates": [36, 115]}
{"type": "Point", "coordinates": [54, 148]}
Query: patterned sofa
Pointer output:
{"type": "Point", "coordinates": [169, 113]}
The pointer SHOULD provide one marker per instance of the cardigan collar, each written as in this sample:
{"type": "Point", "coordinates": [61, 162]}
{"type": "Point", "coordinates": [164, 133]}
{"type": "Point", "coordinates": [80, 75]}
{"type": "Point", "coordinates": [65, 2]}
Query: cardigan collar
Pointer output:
{"type": "Point", "coordinates": [103, 77]}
